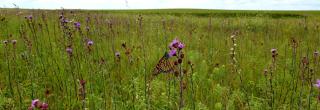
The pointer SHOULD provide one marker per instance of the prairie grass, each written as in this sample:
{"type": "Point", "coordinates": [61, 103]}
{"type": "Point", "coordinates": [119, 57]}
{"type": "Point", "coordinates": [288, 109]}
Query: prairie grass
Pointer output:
{"type": "Point", "coordinates": [40, 66]}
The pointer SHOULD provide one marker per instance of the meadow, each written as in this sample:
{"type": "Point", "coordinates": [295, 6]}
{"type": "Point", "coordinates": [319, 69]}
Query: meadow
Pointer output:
{"type": "Point", "coordinates": [105, 59]}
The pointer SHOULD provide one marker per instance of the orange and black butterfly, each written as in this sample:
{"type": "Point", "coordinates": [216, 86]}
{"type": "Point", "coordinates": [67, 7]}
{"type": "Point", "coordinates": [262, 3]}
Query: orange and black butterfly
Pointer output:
{"type": "Point", "coordinates": [165, 65]}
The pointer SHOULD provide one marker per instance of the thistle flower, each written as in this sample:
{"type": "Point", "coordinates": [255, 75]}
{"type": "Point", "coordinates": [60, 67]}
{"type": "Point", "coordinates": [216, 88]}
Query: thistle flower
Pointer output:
{"type": "Point", "coordinates": [90, 42]}
{"type": "Point", "coordinates": [69, 50]}
{"type": "Point", "coordinates": [117, 54]}
{"type": "Point", "coordinates": [77, 25]}
{"type": "Point", "coordinates": [38, 104]}
{"type": "Point", "coordinates": [44, 106]}
{"type": "Point", "coordinates": [60, 16]}
{"type": "Point", "coordinates": [317, 84]}
{"type": "Point", "coordinates": [173, 52]}
{"type": "Point", "coordinates": [174, 43]}
{"type": "Point", "coordinates": [180, 45]}
{"type": "Point", "coordinates": [14, 42]}
{"type": "Point", "coordinates": [29, 17]}
{"type": "Point", "coordinates": [34, 103]}
{"type": "Point", "coordinates": [5, 42]}
{"type": "Point", "coordinates": [273, 50]}
{"type": "Point", "coordinates": [64, 20]}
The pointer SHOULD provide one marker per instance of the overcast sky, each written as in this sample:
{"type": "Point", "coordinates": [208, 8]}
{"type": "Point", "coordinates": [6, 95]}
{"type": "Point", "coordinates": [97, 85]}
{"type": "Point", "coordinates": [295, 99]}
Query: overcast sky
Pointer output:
{"type": "Point", "coordinates": [156, 4]}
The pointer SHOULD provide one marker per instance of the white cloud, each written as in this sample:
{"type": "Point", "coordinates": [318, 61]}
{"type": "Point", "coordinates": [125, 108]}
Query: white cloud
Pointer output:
{"type": "Point", "coordinates": [154, 4]}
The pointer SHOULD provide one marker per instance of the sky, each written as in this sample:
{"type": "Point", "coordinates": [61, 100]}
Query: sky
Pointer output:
{"type": "Point", "coordinates": [163, 4]}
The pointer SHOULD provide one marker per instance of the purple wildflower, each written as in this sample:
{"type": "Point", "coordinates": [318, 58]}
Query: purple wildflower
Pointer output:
{"type": "Point", "coordinates": [28, 17]}
{"type": "Point", "coordinates": [5, 42]}
{"type": "Point", "coordinates": [273, 50]}
{"type": "Point", "coordinates": [14, 42]}
{"type": "Point", "coordinates": [34, 103]}
{"type": "Point", "coordinates": [61, 16]}
{"type": "Point", "coordinates": [65, 20]}
{"type": "Point", "coordinates": [90, 42]}
{"type": "Point", "coordinates": [117, 54]}
{"type": "Point", "coordinates": [174, 43]}
{"type": "Point", "coordinates": [317, 84]}
{"type": "Point", "coordinates": [69, 50]}
{"type": "Point", "coordinates": [173, 52]}
{"type": "Point", "coordinates": [77, 25]}
{"type": "Point", "coordinates": [44, 106]}
{"type": "Point", "coordinates": [180, 45]}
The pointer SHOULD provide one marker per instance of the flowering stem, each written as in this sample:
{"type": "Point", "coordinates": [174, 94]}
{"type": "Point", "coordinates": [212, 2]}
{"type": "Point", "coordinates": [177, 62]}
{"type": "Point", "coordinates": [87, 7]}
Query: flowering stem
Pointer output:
{"type": "Point", "coordinates": [293, 71]}
{"type": "Point", "coordinates": [311, 79]}
{"type": "Point", "coordinates": [144, 60]}
{"type": "Point", "coordinates": [192, 88]}
{"type": "Point", "coordinates": [181, 82]}
{"type": "Point", "coordinates": [15, 73]}
{"type": "Point", "coordinates": [9, 72]}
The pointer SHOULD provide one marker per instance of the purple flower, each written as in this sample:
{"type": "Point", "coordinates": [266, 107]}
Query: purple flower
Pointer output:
{"type": "Point", "coordinates": [14, 42]}
{"type": "Point", "coordinates": [61, 16]}
{"type": "Point", "coordinates": [180, 45]}
{"type": "Point", "coordinates": [273, 50]}
{"type": "Point", "coordinates": [317, 84]}
{"type": "Point", "coordinates": [28, 17]}
{"type": "Point", "coordinates": [5, 42]}
{"type": "Point", "coordinates": [69, 50]}
{"type": "Point", "coordinates": [173, 52]}
{"type": "Point", "coordinates": [77, 25]}
{"type": "Point", "coordinates": [64, 20]}
{"type": "Point", "coordinates": [90, 42]}
{"type": "Point", "coordinates": [174, 43]}
{"type": "Point", "coordinates": [34, 103]}
{"type": "Point", "coordinates": [117, 54]}
{"type": "Point", "coordinates": [44, 106]}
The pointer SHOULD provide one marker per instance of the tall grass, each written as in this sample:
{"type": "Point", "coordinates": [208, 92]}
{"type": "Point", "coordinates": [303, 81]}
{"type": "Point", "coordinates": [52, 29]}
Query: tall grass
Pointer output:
{"type": "Point", "coordinates": [114, 72]}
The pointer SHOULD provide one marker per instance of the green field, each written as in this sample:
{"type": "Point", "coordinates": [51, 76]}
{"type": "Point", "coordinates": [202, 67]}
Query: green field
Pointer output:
{"type": "Point", "coordinates": [271, 62]}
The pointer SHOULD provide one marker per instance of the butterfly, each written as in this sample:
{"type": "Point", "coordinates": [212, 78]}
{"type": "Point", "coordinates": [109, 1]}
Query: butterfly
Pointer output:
{"type": "Point", "coordinates": [165, 65]}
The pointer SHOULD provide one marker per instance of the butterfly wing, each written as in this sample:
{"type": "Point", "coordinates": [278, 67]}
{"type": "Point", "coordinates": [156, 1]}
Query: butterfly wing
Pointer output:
{"type": "Point", "coordinates": [164, 65]}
